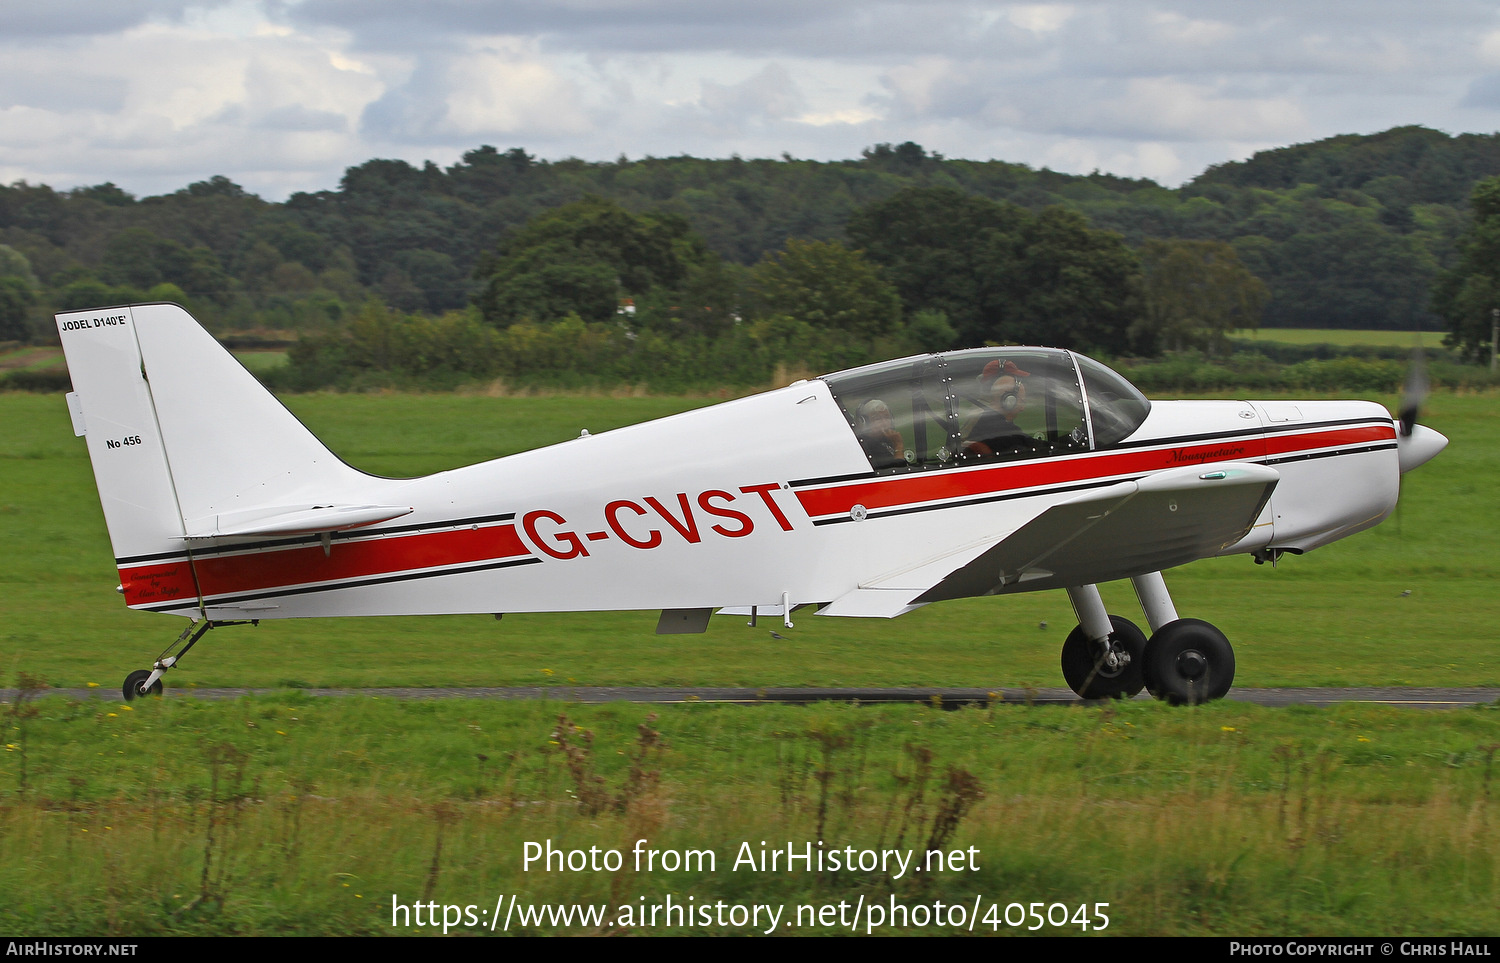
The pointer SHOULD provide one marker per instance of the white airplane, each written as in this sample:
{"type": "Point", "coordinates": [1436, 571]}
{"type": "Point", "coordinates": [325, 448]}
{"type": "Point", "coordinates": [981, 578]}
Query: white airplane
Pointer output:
{"type": "Point", "coordinates": [866, 493]}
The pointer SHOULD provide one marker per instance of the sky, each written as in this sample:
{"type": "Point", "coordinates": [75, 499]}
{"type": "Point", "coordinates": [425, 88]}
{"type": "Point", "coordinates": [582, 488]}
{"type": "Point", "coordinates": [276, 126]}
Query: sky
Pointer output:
{"type": "Point", "coordinates": [283, 95]}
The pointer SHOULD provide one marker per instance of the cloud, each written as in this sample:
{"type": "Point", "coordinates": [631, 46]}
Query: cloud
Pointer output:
{"type": "Point", "coordinates": [58, 91]}
{"type": "Point", "coordinates": [1040, 18]}
{"type": "Point", "coordinates": [295, 117]}
{"type": "Point", "coordinates": [768, 95]}
{"type": "Point", "coordinates": [165, 104]}
{"type": "Point", "coordinates": [1483, 92]}
{"type": "Point", "coordinates": [1151, 109]}
{"type": "Point", "coordinates": [496, 90]}
{"type": "Point", "coordinates": [283, 94]}
{"type": "Point", "coordinates": [620, 26]}
{"type": "Point", "coordinates": [74, 18]}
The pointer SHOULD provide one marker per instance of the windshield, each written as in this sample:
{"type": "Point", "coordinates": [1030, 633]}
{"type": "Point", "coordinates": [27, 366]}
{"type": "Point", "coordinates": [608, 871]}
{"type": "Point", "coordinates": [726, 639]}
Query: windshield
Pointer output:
{"type": "Point", "coordinates": [1116, 407]}
{"type": "Point", "coordinates": [983, 405]}
{"type": "Point", "coordinates": [964, 407]}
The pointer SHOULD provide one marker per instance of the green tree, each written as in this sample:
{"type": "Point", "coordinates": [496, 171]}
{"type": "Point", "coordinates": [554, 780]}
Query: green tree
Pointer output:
{"type": "Point", "coordinates": [706, 303]}
{"type": "Point", "coordinates": [88, 292]}
{"type": "Point", "coordinates": [1000, 273]}
{"type": "Point", "coordinates": [1071, 286]}
{"type": "Point", "coordinates": [107, 193]}
{"type": "Point", "coordinates": [827, 286]}
{"type": "Point", "coordinates": [1468, 295]}
{"type": "Point", "coordinates": [1356, 274]}
{"type": "Point", "coordinates": [583, 258]}
{"type": "Point", "coordinates": [139, 258]}
{"type": "Point", "coordinates": [1194, 293]}
{"type": "Point", "coordinates": [16, 299]}
{"type": "Point", "coordinates": [945, 251]}
{"type": "Point", "coordinates": [14, 264]}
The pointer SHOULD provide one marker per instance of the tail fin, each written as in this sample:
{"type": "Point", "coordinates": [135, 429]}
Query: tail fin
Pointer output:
{"type": "Point", "coordinates": [187, 445]}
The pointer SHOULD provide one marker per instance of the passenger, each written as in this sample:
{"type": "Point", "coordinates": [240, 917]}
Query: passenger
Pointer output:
{"type": "Point", "coordinates": [876, 429]}
{"type": "Point", "coordinates": [995, 431]}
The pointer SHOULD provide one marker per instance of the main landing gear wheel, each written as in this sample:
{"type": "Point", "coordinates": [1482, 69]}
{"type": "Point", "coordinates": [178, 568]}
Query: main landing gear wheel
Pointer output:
{"type": "Point", "coordinates": [133, 682]}
{"type": "Point", "coordinates": [1085, 663]}
{"type": "Point", "coordinates": [1187, 662]}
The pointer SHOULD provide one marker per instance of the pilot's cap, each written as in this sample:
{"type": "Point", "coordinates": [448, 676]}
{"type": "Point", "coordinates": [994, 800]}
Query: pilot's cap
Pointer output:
{"type": "Point", "coordinates": [995, 369]}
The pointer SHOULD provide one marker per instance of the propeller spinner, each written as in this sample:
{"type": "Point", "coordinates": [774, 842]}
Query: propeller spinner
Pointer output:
{"type": "Point", "coordinates": [1416, 444]}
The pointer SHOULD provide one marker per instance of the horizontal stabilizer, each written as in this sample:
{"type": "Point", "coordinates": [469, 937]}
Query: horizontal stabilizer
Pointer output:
{"type": "Point", "coordinates": [293, 520]}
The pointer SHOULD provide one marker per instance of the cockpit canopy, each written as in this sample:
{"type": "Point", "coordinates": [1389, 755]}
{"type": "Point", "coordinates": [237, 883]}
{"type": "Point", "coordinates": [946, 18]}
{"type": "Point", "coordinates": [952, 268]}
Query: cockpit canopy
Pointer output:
{"type": "Point", "coordinates": [985, 405]}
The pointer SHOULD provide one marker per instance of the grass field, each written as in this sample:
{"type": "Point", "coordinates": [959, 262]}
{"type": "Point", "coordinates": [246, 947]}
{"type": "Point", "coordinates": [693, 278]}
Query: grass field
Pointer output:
{"type": "Point", "coordinates": [292, 813]}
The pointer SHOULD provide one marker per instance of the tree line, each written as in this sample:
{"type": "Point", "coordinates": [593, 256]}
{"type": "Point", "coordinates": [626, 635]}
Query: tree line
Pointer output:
{"type": "Point", "coordinates": [899, 248]}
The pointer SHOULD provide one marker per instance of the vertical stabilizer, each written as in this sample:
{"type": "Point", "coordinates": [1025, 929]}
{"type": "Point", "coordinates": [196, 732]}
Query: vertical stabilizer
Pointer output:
{"type": "Point", "coordinates": [185, 443]}
{"type": "Point", "coordinates": [232, 447]}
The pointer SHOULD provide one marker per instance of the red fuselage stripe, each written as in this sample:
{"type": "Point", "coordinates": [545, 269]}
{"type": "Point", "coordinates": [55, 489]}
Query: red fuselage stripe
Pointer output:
{"type": "Point", "coordinates": [235, 574]}
{"type": "Point", "coordinates": [159, 582]}
{"type": "Point", "coordinates": [903, 490]}
{"type": "Point", "coordinates": [1340, 438]}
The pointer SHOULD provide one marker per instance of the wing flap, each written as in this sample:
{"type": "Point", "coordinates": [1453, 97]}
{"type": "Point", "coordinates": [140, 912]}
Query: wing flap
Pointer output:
{"type": "Point", "coordinates": [868, 603]}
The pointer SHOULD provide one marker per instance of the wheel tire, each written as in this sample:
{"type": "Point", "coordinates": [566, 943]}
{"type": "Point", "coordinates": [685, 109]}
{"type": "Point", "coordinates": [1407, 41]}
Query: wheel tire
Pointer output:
{"type": "Point", "coordinates": [1188, 662]}
{"type": "Point", "coordinates": [132, 688]}
{"type": "Point", "coordinates": [1085, 675]}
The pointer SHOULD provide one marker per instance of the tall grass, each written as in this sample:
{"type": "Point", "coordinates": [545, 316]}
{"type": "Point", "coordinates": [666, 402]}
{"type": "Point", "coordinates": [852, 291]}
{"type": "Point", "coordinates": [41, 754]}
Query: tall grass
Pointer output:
{"type": "Point", "coordinates": [302, 815]}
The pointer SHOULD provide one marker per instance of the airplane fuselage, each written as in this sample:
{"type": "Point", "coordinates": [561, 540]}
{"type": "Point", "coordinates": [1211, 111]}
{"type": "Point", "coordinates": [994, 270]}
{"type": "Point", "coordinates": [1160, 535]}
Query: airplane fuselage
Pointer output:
{"type": "Point", "coordinates": [744, 503]}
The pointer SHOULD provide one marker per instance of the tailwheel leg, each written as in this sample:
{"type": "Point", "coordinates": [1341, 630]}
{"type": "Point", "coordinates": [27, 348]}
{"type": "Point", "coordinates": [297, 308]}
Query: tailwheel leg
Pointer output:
{"type": "Point", "coordinates": [1187, 661]}
{"type": "Point", "coordinates": [144, 682]}
{"type": "Point", "coordinates": [1101, 657]}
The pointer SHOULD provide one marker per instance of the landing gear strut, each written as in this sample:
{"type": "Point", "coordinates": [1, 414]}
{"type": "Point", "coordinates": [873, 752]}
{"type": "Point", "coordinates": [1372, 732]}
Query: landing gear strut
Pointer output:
{"type": "Point", "coordinates": [144, 682]}
{"type": "Point", "coordinates": [1102, 656]}
{"type": "Point", "coordinates": [1184, 662]}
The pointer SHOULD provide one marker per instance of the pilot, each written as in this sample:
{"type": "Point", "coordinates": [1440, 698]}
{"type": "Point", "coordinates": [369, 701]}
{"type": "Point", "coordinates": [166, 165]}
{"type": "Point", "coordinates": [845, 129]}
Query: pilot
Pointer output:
{"type": "Point", "coordinates": [995, 431]}
{"type": "Point", "coordinates": [876, 429]}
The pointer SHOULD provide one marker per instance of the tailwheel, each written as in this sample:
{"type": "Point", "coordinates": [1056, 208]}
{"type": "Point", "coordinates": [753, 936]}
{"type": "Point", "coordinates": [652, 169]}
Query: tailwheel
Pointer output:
{"type": "Point", "coordinates": [133, 682]}
{"type": "Point", "coordinates": [1188, 662]}
{"type": "Point", "coordinates": [1108, 669]}
{"type": "Point", "coordinates": [143, 682]}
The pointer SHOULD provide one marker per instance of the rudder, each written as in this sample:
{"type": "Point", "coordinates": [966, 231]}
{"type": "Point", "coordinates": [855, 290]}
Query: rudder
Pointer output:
{"type": "Point", "coordinates": [186, 444]}
{"type": "Point", "coordinates": [112, 409]}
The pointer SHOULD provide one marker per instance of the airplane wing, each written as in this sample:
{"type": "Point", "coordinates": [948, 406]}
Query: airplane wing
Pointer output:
{"type": "Point", "coordinates": [1115, 532]}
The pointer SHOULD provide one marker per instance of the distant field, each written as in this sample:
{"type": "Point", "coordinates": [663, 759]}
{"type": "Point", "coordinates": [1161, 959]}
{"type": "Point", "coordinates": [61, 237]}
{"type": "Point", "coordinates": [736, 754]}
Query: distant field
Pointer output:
{"type": "Point", "coordinates": [261, 361]}
{"type": "Point", "coordinates": [1336, 616]}
{"type": "Point", "coordinates": [1342, 338]}
{"type": "Point", "coordinates": [47, 357]}
{"type": "Point", "coordinates": [26, 359]}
